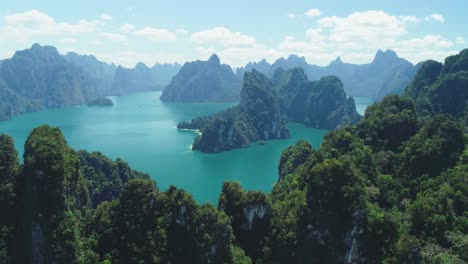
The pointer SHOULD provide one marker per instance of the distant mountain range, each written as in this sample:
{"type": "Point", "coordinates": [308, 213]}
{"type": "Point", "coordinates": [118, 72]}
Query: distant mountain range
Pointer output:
{"type": "Point", "coordinates": [40, 78]}
{"type": "Point", "coordinates": [386, 74]}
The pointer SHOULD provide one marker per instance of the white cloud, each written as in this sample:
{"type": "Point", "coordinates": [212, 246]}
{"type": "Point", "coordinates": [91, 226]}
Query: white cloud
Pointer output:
{"type": "Point", "coordinates": [315, 43]}
{"type": "Point", "coordinates": [358, 36]}
{"type": "Point", "coordinates": [112, 36]}
{"type": "Point", "coordinates": [181, 31]}
{"type": "Point", "coordinates": [369, 29]}
{"type": "Point", "coordinates": [436, 17]}
{"type": "Point", "coordinates": [410, 19]}
{"type": "Point", "coordinates": [222, 36]}
{"type": "Point", "coordinates": [355, 37]}
{"type": "Point", "coordinates": [434, 41]}
{"type": "Point", "coordinates": [30, 24]}
{"type": "Point", "coordinates": [313, 12]}
{"type": "Point", "coordinates": [234, 48]}
{"type": "Point", "coordinates": [156, 34]}
{"type": "Point", "coordinates": [428, 47]}
{"type": "Point", "coordinates": [106, 17]}
{"type": "Point", "coordinates": [127, 28]}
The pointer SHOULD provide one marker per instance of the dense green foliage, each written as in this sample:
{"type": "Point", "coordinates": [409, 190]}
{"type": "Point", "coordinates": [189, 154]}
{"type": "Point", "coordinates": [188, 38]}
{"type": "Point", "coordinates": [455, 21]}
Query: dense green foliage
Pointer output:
{"type": "Point", "coordinates": [203, 81]}
{"type": "Point", "coordinates": [359, 200]}
{"type": "Point", "coordinates": [9, 172]}
{"type": "Point", "coordinates": [386, 74]}
{"type": "Point", "coordinates": [105, 178]}
{"type": "Point", "coordinates": [439, 88]}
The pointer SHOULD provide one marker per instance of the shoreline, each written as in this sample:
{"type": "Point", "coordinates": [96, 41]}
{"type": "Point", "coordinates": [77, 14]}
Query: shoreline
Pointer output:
{"type": "Point", "coordinates": [198, 131]}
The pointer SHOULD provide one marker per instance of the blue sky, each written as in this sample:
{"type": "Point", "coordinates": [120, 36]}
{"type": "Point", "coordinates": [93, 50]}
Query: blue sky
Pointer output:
{"type": "Point", "coordinates": [126, 32]}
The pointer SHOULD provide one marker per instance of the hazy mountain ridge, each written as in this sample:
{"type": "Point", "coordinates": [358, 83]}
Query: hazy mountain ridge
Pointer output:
{"type": "Point", "coordinates": [386, 74]}
{"type": "Point", "coordinates": [38, 78]}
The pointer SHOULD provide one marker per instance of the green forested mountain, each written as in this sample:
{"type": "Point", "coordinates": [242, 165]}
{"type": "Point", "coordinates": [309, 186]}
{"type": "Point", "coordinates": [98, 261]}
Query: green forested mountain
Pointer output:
{"type": "Point", "coordinates": [386, 74]}
{"type": "Point", "coordinates": [267, 104]}
{"type": "Point", "coordinates": [319, 104]}
{"type": "Point", "coordinates": [203, 81]}
{"type": "Point", "coordinates": [442, 88]}
{"type": "Point", "coordinates": [257, 117]}
{"type": "Point", "coordinates": [39, 78]}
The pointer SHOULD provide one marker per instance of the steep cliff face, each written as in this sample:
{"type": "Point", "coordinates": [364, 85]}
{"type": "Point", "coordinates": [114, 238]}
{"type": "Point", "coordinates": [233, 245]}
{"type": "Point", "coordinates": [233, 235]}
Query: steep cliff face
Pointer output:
{"type": "Point", "coordinates": [44, 78]}
{"type": "Point", "coordinates": [51, 185]}
{"type": "Point", "coordinates": [138, 79]}
{"type": "Point", "coordinates": [441, 88]}
{"type": "Point", "coordinates": [203, 81]}
{"type": "Point", "coordinates": [257, 117]}
{"type": "Point", "coordinates": [38, 78]}
{"type": "Point", "coordinates": [319, 104]}
{"type": "Point", "coordinates": [100, 72]}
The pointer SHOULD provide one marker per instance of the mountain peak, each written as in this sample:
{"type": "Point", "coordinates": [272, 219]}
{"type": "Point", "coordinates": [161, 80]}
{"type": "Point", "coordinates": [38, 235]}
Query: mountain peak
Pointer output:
{"type": "Point", "coordinates": [337, 61]}
{"type": "Point", "coordinates": [140, 65]}
{"type": "Point", "coordinates": [214, 59]}
{"type": "Point", "coordinates": [383, 56]}
{"type": "Point", "coordinates": [38, 50]}
{"type": "Point", "coordinates": [38, 47]}
{"type": "Point", "coordinates": [296, 58]}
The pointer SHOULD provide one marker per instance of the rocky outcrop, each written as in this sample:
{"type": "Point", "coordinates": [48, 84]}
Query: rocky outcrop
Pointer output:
{"type": "Point", "coordinates": [257, 117]}
{"type": "Point", "coordinates": [101, 101]}
{"type": "Point", "coordinates": [203, 81]}
{"type": "Point", "coordinates": [39, 78]}
{"type": "Point", "coordinates": [318, 104]}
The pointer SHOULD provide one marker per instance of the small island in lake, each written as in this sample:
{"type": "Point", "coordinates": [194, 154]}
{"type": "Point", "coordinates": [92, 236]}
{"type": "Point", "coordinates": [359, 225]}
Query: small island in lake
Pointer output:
{"type": "Point", "coordinates": [101, 101]}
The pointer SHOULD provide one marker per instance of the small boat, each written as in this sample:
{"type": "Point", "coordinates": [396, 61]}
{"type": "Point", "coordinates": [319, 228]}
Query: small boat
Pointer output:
{"type": "Point", "coordinates": [262, 142]}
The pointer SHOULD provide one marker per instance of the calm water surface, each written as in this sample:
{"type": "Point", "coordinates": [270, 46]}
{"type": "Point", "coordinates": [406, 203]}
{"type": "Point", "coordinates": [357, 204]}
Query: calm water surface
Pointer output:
{"type": "Point", "coordinates": [142, 130]}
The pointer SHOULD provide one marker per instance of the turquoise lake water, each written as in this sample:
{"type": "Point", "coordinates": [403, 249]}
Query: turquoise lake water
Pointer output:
{"type": "Point", "coordinates": [142, 130]}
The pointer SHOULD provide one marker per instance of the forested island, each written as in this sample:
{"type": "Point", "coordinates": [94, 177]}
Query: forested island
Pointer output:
{"type": "Point", "coordinates": [101, 101]}
{"type": "Point", "coordinates": [267, 104]}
